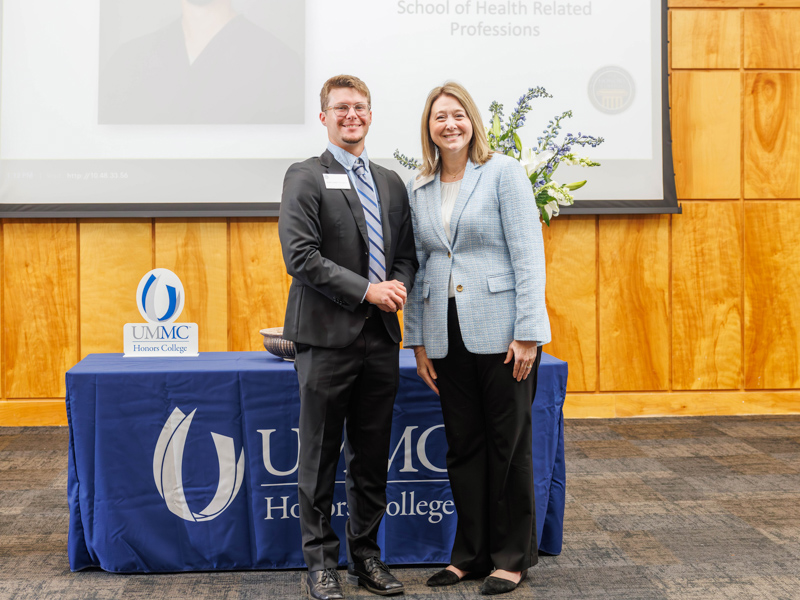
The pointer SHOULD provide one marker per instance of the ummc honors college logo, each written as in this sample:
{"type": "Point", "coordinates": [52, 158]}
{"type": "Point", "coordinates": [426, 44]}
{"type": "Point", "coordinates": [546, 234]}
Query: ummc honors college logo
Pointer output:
{"type": "Point", "coordinates": [418, 488]}
{"type": "Point", "coordinates": [160, 298]}
{"type": "Point", "coordinates": [168, 466]}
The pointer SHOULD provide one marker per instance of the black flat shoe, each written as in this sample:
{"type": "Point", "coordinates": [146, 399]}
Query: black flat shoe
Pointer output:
{"type": "Point", "coordinates": [496, 585]}
{"type": "Point", "coordinates": [446, 577]}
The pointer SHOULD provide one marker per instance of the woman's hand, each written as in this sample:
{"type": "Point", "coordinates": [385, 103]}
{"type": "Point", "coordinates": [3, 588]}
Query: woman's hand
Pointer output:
{"type": "Point", "coordinates": [524, 355]}
{"type": "Point", "coordinates": [425, 368]}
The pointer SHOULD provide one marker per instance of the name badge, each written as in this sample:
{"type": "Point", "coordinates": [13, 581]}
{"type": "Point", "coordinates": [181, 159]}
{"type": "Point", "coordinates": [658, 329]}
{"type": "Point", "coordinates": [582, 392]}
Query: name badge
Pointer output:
{"type": "Point", "coordinates": [336, 181]}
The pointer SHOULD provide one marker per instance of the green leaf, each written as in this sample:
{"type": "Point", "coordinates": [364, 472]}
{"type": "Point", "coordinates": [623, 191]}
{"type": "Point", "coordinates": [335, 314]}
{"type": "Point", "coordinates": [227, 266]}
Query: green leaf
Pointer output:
{"type": "Point", "coordinates": [496, 126]}
{"type": "Point", "coordinates": [545, 218]}
{"type": "Point", "coordinates": [575, 185]}
{"type": "Point", "coordinates": [517, 142]}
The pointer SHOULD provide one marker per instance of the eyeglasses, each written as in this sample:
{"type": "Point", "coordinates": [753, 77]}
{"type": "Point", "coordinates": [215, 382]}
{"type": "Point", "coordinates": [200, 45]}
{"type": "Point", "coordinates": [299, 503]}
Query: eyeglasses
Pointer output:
{"type": "Point", "coordinates": [342, 110]}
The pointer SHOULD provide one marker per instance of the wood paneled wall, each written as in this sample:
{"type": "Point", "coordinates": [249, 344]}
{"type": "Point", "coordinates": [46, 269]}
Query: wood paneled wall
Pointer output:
{"type": "Point", "coordinates": [689, 314]}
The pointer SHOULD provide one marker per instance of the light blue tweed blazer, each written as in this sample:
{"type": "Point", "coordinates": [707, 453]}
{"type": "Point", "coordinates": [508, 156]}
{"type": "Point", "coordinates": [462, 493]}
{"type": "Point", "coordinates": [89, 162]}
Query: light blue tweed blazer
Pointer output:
{"type": "Point", "coordinates": [496, 258]}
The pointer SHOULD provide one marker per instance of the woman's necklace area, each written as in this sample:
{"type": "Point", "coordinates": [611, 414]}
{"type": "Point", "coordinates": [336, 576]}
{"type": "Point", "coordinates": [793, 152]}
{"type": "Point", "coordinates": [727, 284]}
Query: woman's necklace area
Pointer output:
{"type": "Point", "coordinates": [453, 176]}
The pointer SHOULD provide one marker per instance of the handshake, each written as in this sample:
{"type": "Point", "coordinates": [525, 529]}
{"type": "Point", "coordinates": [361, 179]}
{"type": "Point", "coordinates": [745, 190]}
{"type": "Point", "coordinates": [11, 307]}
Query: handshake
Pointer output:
{"type": "Point", "coordinates": [389, 296]}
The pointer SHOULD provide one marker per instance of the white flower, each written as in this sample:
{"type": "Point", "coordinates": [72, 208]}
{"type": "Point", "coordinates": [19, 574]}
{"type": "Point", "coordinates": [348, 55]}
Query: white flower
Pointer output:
{"type": "Point", "coordinates": [559, 194]}
{"type": "Point", "coordinates": [533, 161]}
{"type": "Point", "coordinates": [588, 162]}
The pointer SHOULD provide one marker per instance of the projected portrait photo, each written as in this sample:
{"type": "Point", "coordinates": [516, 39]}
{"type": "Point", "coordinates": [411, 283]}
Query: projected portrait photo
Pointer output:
{"type": "Point", "coordinates": [201, 62]}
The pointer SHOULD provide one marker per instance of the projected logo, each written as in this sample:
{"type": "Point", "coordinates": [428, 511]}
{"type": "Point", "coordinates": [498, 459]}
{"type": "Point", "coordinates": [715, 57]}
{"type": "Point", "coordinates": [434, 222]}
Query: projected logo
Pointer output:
{"type": "Point", "coordinates": [611, 90]}
{"type": "Point", "coordinates": [160, 296]}
{"type": "Point", "coordinates": [168, 469]}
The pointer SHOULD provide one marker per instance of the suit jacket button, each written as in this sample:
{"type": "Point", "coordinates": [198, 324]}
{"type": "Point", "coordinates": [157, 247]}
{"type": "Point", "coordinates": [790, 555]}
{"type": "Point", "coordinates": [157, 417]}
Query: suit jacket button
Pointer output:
{"type": "Point", "coordinates": [460, 288]}
{"type": "Point", "coordinates": [448, 255]}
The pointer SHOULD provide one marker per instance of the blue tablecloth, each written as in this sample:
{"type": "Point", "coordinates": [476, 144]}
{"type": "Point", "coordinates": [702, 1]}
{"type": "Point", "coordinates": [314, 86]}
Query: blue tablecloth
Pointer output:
{"type": "Point", "coordinates": [191, 464]}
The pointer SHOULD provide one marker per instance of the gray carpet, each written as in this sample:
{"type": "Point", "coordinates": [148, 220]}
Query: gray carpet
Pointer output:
{"type": "Point", "coordinates": [691, 508]}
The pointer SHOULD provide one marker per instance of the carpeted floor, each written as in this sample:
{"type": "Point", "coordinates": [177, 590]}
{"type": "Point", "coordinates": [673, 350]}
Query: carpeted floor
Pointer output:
{"type": "Point", "coordinates": [691, 508]}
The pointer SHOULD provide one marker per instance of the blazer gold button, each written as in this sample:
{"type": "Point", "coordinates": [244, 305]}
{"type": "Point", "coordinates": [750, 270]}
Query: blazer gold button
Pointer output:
{"type": "Point", "coordinates": [460, 288]}
{"type": "Point", "coordinates": [448, 255]}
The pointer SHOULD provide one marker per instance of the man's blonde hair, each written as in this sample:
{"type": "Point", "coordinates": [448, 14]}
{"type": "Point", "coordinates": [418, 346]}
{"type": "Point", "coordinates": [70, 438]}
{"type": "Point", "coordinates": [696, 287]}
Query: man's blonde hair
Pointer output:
{"type": "Point", "coordinates": [479, 152]}
{"type": "Point", "coordinates": [342, 81]}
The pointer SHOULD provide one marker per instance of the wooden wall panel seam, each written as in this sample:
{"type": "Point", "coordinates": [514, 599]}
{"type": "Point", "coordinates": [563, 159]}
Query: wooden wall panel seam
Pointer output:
{"type": "Point", "coordinates": [2, 311]}
{"type": "Point", "coordinates": [734, 4]}
{"type": "Point", "coordinates": [708, 391]}
{"type": "Point", "coordinates": [228, 259]}
{"type": "Point", "coordinates": [78, 284]}
{"type": "Point", "coordinates": [670, 257]}
{"type": "Point", "coordinates": [744, 69]}
{"type": "Point", "coordinates": [597, 387]}
{"type": "Point", "coordinates": [743, 241]}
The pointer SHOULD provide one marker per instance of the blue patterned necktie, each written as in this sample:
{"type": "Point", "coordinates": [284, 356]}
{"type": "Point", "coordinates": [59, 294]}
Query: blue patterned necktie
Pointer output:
{"type": "Point", "coordinates": [372, 213]}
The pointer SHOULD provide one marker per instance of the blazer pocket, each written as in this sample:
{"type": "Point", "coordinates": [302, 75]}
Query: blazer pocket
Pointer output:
{"type": "Point", "coordinates": [426, 289]}
{"type": "Point", "coordinates": [501, 283]}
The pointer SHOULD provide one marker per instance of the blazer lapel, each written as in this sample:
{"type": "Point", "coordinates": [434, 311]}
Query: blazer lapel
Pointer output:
{"type": "Point", "coordinates": [471, 175]}
{"type": "Point", "coordinates": [433, 198]}
{"type": "Point", "coordinates": [333, 166]}
{"type": "Point", "coordinates": [385, 201]}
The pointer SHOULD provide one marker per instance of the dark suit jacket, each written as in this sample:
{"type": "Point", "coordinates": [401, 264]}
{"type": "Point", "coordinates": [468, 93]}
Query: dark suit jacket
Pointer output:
{"type": "Point", "coordinates": [324, 240]}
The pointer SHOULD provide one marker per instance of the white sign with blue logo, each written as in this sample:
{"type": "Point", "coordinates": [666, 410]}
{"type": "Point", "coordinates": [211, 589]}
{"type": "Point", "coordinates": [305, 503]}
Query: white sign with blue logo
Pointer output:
{"type": "Point", "coordinates": [160, 299]}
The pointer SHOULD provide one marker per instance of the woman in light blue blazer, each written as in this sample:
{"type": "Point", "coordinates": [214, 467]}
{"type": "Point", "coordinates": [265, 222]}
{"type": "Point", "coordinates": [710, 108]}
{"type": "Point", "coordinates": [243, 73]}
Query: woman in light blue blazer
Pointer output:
{"type": "Point", "coordinates": [475, 318]}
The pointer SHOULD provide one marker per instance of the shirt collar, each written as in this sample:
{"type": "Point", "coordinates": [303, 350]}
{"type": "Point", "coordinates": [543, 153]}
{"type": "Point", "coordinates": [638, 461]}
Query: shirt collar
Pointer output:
{"type": "Point", "coordinates": [344, 158]}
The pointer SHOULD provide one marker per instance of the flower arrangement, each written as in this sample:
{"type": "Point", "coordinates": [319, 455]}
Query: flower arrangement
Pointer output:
{"type": "Point", "coordinates": [541, 161]}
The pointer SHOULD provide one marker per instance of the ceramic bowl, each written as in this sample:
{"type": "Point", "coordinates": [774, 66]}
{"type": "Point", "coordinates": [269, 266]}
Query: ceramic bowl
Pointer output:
{"type": "Point", "coordinates": [276, 345]}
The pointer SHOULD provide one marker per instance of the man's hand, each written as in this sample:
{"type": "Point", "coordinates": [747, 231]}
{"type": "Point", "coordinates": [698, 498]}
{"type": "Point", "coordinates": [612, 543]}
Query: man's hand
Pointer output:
{"type": "Point", "coordinates": [389, 296]}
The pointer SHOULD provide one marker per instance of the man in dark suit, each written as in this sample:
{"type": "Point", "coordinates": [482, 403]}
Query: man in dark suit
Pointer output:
{"type": "Point", "coordinates": [345, 231]}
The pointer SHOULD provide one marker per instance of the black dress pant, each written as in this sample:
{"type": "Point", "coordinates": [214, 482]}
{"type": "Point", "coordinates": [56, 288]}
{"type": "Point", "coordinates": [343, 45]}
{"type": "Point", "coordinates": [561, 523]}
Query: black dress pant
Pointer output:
{"type": "Point", "coordinates": [352, 388]}
{"type": "Point", "coordinates": [487, 418]}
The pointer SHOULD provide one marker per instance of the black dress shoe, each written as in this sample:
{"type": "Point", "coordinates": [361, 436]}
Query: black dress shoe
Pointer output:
{"type": "Point", "coordinates": [375, 576]}
{"type": "Point", "coordinates": [324, 585]}
{"type": "Point", "coordinates": [496, 585]}
{"type": "Point", "coordinates": [446, 577]}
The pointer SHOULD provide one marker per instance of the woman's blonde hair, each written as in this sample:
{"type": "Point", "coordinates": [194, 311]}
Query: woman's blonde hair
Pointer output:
{"type": "Point", "coordinates": [479, 152]}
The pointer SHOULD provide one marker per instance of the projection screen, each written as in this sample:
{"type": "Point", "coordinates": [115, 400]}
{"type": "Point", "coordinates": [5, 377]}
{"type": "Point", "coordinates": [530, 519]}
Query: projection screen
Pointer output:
{"type": "Point", "coordinates": [117, 108]}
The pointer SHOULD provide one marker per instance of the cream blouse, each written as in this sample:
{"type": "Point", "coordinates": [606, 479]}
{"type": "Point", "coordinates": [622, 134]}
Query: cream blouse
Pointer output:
{"type": "Point", "coordinates": [449, 195]}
